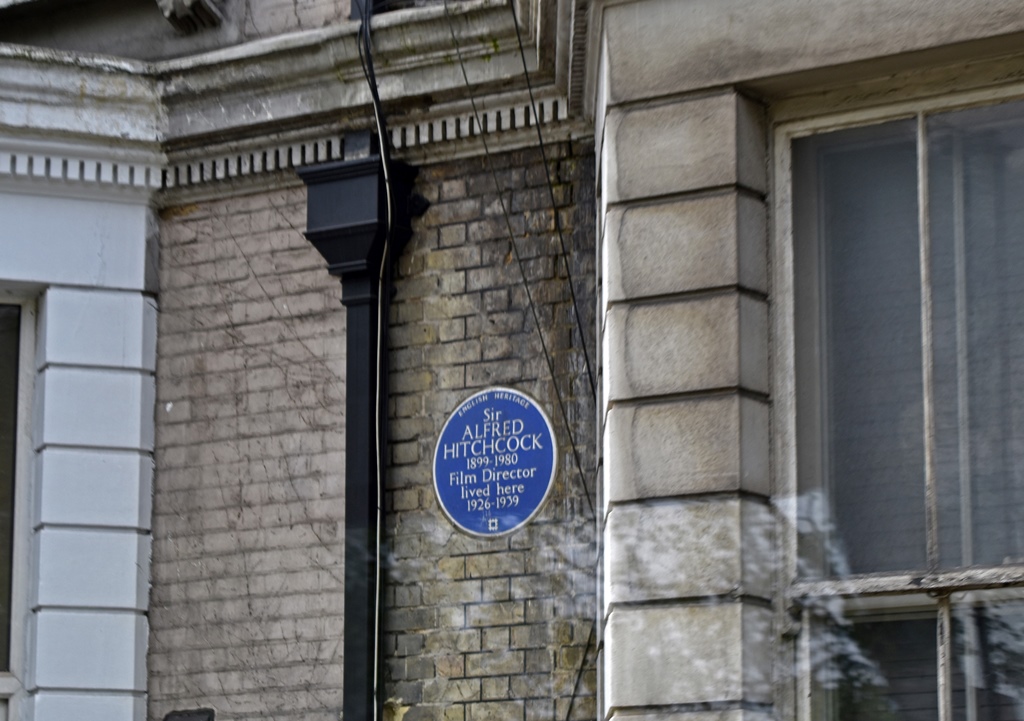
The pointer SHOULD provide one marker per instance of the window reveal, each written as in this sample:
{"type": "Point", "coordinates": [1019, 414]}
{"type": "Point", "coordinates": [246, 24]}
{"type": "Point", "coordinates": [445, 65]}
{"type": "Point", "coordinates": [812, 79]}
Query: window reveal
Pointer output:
{"type": "Point", "coordinates": [909, 268]}
{"type": "Point", "coordinates": [10, 326]}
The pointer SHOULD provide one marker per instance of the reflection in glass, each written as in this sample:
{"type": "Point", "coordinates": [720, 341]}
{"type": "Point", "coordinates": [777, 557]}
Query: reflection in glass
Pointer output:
{"type": "Point", "coordinates": [865, 367]}
{"type": "Point", "coordinates": [859, 344]}
{"type": "Point", "coordinates": [10, 321]}
{"type": "Point", "coordinates": [976, 182]}
{"type": "Point", "coordinates": [988, 682]}
{"type": "Point", "coordinates": [877, 670]}
{"type": "Point", "coordinates": [886, 668]}
{"type": "Point", "coordinates": [858, 338]}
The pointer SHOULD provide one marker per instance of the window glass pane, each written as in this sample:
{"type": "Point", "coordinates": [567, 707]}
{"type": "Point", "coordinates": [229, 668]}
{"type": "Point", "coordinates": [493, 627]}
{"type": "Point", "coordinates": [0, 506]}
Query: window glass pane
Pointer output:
{"type": "Point", "coordinates": [877, 670]}
{"type": "Point", "coordinates": [9, 334]}
{"type": "Point", "coordinates": [976, 183]}
{"type": "Point", "coordinates": [859, 389]}
{"type": "Point", "coordinates": [989, 658]}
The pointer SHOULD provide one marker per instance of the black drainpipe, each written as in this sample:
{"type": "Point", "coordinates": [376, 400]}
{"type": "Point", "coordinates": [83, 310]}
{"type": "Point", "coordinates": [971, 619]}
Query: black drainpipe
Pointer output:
{"type": "Point", "coordinates": [346, 220]}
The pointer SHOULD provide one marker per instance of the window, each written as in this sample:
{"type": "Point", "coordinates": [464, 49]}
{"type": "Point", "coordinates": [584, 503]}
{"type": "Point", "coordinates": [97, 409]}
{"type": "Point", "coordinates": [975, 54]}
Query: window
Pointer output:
{"type": "Point", "coordinates": [17, 336]}
{"type": "Point", "coordinates": [10, 334]}
{"type": "Point", "coordinates": [908, 277]}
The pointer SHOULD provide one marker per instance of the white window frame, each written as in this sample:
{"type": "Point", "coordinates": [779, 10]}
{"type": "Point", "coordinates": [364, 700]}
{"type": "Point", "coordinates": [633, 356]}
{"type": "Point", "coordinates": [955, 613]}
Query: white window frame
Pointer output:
{"type": "Point", "coordinates": [905, 591]}
{"type": "Point", "coordinates": [13, 682]}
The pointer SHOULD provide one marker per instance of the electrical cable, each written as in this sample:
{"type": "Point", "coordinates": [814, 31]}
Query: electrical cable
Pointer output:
{"type": "Point", "coordinates": [384, 284]}
{"type": "Point", "coordinates": [579, 671]}
{"type": "Point", "coordinates": [522, 271]}
{"type": "Point", "coordinates": [572, 291]}
{"type": "Point", "coordinates": [383, 305]}
{"type": "Point", "coordinates": [547, 356]}
{"type": "Point", "coordinates": [554, 205]}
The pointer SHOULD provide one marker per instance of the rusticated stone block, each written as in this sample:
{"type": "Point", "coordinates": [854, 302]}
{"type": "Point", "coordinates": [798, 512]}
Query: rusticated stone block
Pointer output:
{"type": "Point", "coordinates": [686, 445]}
{"type": "Point", "coordinates": [690, 654]}
{"type": "Point", "coordinates": [678, 549]}
{"type": "Point", "coordinates": [685, 245]}
{"type": "Point", "coordinates": [691, 144]}
{"type": "Point", "coordinates": [699, 343]}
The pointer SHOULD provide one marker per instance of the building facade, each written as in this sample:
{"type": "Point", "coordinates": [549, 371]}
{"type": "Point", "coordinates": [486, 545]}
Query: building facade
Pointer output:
{"type": "Point", "coordinates": [760, 263]}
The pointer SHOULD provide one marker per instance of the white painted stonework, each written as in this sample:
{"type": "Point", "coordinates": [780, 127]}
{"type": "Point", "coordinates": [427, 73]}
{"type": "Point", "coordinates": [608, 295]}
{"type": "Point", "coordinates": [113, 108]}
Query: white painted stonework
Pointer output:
{"type": "Point", "coordinates": [75, 245]}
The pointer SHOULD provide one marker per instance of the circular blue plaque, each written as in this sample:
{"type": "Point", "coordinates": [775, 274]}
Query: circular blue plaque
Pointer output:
{"type": "Point", "coordinates": [495, 462]}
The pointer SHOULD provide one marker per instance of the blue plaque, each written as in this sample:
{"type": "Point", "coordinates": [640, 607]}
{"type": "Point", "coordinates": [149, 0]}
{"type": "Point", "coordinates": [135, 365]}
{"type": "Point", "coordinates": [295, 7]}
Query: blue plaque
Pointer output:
{"type": "Point", "coordinates": [495, 462]}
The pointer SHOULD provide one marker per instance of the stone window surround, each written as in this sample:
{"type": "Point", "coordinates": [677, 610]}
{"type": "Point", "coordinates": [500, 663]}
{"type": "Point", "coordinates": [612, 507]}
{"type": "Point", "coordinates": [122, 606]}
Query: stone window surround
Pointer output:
{"type": "Point", "coordinates": [12, 682]}
{"type": "Point", "coordinates": [854, 593]}
{"type": "Point", "coordinates": [83, 516]}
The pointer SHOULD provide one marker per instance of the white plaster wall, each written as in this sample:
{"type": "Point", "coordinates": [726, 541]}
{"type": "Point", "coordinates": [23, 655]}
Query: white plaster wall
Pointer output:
{"type": "Point", "coordinates": [84, 261]}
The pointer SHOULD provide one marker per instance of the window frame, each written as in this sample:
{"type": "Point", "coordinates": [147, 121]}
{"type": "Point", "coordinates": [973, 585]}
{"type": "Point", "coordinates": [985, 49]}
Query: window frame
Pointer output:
{"type": "Point", "coordinates": [13, 682]}
{"type": "Point", "coordinates": [937, 591]}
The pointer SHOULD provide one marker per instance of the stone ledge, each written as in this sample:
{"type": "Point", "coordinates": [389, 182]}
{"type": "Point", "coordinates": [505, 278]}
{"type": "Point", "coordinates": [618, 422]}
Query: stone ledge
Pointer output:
{"type": "Point", "coordinates": [732, 41]}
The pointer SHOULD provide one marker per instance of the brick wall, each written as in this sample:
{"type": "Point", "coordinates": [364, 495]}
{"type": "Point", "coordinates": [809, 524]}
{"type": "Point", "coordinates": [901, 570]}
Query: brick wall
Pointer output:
{"type": "Point", "coordinates": [246, 606]}
{"type": "Point", "coordinates": [491, 629]}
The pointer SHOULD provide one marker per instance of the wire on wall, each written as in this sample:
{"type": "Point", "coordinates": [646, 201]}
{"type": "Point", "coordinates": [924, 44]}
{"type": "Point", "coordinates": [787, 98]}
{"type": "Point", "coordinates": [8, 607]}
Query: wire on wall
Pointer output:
{"type": "Point", "coordinates": [522, 271]}
{"type": "Point", "coordinates": [383, 305]}
{"type": "Point", "coordinates": [575, 306]}
{"type": "Point", "coordinates": [554, 204]}
{"type": "Point", "coordinates": [547, 356]}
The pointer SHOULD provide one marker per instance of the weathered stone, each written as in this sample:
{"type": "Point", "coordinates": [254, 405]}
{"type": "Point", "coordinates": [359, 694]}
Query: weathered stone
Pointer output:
{"type": "Point", "coordinates": [247, 549]}
{"type": "Point", "coordinates": [494, 688]}
{"type": "Point", "coordinates": [690, 654]}
{"type": "Point", "coordinates": [451, 690]}
{"type": "Point", "coordinates": [703, 343]}
{"type": "Point", "coordinates": [495, 564]}
{"type": "Point", "coordinates": [472, 326]}
{"type": "Point", "coordinates": [731, 41]}
{"type": "Point", "coordinates": [677, 549]}
{"type": "Point", "coordinates": [504, 613]}
{"type": "Point", "coordinates": [716, 141]}
{"type": "Point", "coordinates": [736, 715]}
{"type": "Point", "coordinates": [685, 245]}
{"type": "Point", "coordinates": [493, 663]}
{"type": "Point", "coordinates": [689, 445]}
{"type": "Point", "coordinates": [495, 711]}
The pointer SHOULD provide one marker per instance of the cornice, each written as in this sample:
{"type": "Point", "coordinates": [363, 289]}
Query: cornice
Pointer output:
{"type": "Point", "coordinates": [317, 75]}
{"type": "Point", "coordinates": [448, 132]}
{"type": "Point", "coordinates": [85, 170]}
{"type": "Point", "coordinates": [54, 94]}
{"type": "Point", "coordinates": [78, 126]}
{"type": "Point", "coordinates": [252, 111]}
